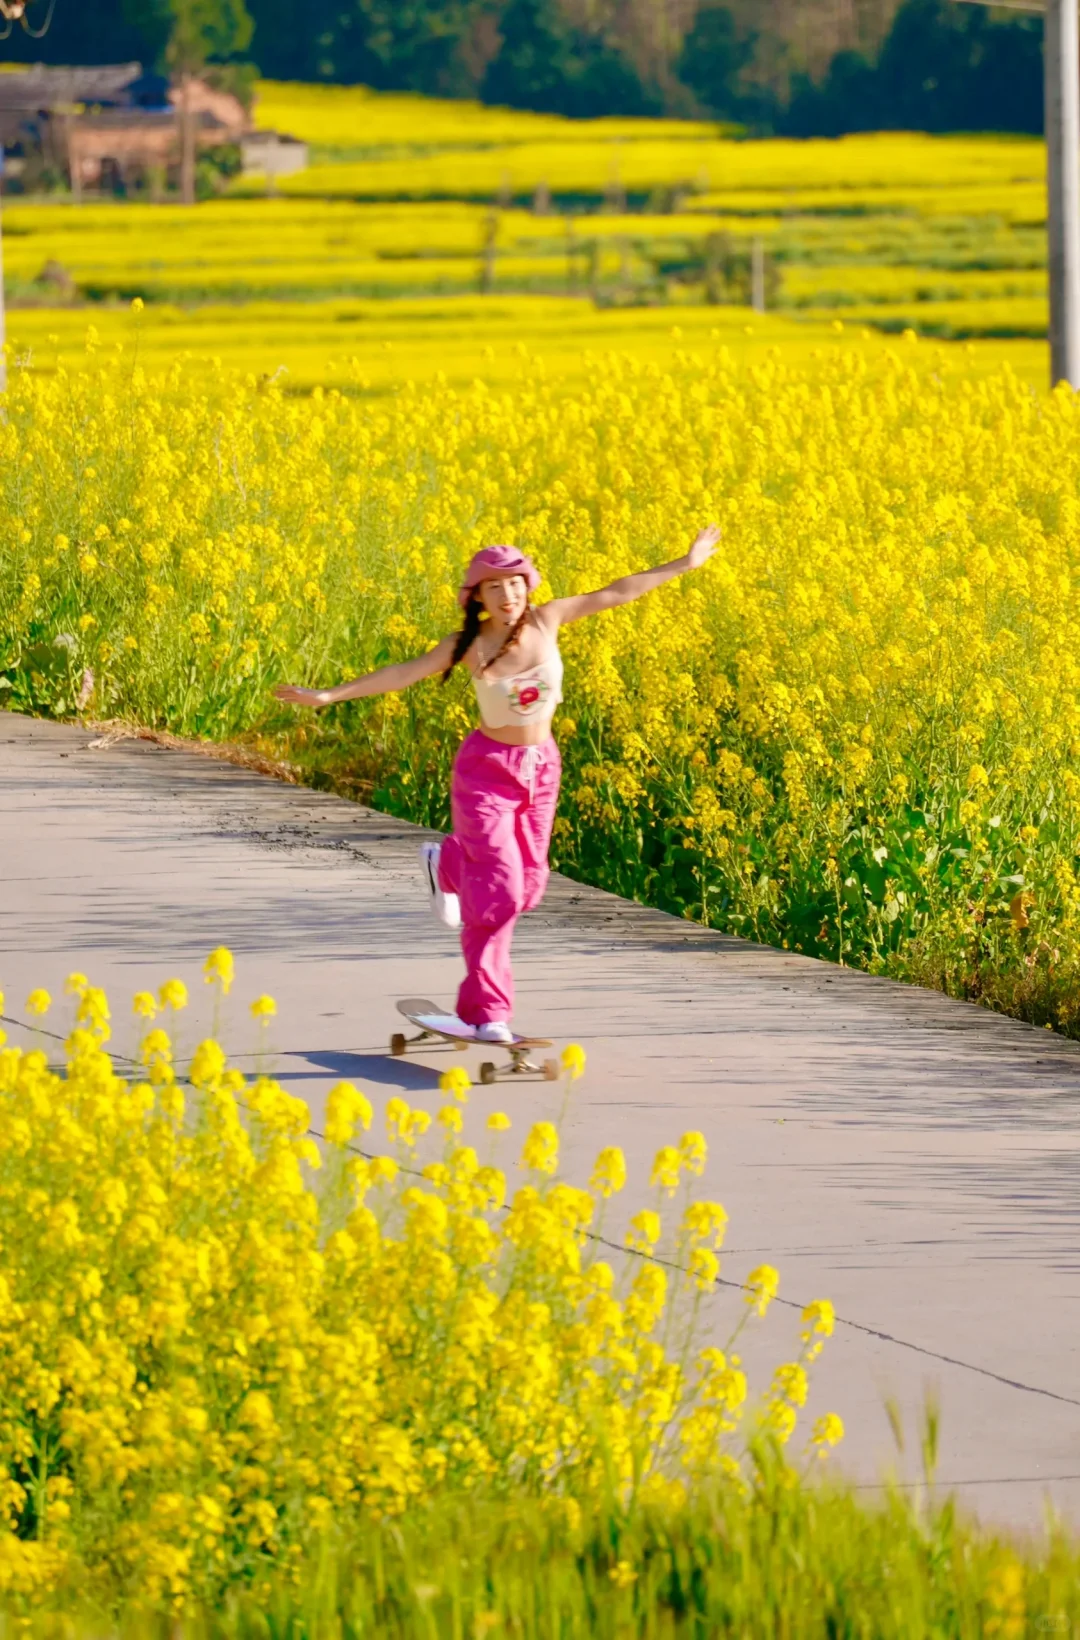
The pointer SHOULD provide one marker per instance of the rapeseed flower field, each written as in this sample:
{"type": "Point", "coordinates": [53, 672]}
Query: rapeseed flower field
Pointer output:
{"type": "Point", "coordinates": [244, 252]}
{"type": "Point", "coordinates": [373, 347]}
{"type": "Point", "coordinates": [856, 736]}
{"type": "Point", "coordinates": [340, 118]}
{"type": "Point", "coordinates": [415, 198]}
{"type": "Point", "coordinates": [258, 1376]}
{"type": "Point", "coordinates": [225, 1337]}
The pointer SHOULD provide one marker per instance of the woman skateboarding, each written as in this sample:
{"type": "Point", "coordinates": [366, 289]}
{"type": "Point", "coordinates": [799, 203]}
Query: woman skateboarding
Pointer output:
{"type": "Point", "coordinates": [505, 783]}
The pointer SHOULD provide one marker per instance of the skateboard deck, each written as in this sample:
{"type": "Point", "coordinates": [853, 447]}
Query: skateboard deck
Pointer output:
{"type": "Point", "coordinates": [434, 1023]}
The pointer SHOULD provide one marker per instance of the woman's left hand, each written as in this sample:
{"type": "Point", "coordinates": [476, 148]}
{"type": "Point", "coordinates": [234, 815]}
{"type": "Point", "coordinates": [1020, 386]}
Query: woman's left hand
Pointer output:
{"type": "Point", "coordinates": [703, 546]}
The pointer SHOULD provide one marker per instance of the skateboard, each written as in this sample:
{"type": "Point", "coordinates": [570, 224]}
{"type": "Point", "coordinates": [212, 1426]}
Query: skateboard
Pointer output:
{"type": "Point", "coordinates": [436, 1024]}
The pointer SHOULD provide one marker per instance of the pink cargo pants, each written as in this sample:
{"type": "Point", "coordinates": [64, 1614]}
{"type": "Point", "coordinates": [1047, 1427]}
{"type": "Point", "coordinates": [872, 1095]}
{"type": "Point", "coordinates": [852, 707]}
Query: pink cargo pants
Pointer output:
{"type": "Point", "coordinates": [502, 800]}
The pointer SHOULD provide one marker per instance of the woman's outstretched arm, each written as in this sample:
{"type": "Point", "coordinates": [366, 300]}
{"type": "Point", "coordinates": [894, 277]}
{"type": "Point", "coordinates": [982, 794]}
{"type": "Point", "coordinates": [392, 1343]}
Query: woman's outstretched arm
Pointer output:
{"type": "Point", "coordinates": [630, 587]}
{"type": "Point", "coordinates": [388, 680]}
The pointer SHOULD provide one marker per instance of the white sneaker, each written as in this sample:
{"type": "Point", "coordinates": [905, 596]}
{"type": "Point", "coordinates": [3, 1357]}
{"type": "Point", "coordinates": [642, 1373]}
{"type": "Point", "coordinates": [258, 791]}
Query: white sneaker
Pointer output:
{"type": "Point", "coordinates": [447, 907]}
{"type": "Point", "coordinates": [495, 1030]}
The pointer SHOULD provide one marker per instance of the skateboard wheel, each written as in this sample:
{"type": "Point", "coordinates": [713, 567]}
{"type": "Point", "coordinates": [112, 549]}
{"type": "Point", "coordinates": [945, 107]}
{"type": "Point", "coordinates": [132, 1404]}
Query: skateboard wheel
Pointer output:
{"type": "Point", "coordinates": [397, 1044]}
{"type": "Point", "coordinates": [550, 1068]}
{"type": "Point", "coordinates": [487, 1073]}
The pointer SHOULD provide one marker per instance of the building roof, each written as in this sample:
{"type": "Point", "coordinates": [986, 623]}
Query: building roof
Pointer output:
{"type": "Point", "coordinates": [27, 90]}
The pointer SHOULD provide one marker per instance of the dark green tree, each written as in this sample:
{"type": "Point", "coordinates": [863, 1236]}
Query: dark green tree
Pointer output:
{"type": "Point", "coordinates": [942, 67]}
{"type": "Point", "coordinates": [945, 67]}
{"type": "Point", "coordinates": [291, 36]}
{"type": "Point", "coordinates": [205, 31]}
{"type": "Point", "coordinates": [400, 45]}
{"type": "Point", "coordinates": [845, 100]}
{"type": "Point", "coordinates": [189, 35]}
{"type": "Point", "coordinates": [713, 57]}
{"type": "Point", "coordinates": [545, 63]}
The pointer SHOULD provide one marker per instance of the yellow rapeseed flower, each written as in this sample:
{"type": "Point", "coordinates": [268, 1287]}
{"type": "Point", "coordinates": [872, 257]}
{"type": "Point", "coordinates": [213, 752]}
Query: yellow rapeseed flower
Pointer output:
{"type": "Point", "coordinates": [828, 1431]}
{"type": "Point", "coordinates": [704, 1267]}
{"type": "Point", "coordinates": [572, 1059]}
{"type": "Point", "coordinates": [257, 1410]}
{"type": "Point", "coordinates": [207, 1064]}
{"type": "Point", "coordinates": [155, 1045]}
{"type": "Point", "coordinates": [762, 1285]}
{"type": "Point", "coordinates": [263, 1008]}
{"type": "Point", "coordinates": [498, 1121]}
{"type": "Point", "coordinates": [819, 1318]}
{"type": "Point", "coordinates": [780, 1419]}
{"type": "Point", "coordinates": [416, 1126]}
{"type": "Point", "coordinates": [93, 1005]}
{"type": "Point", "coordinates": [609, 1171]}
{"type": "Point", "coordinates": [397, 1117]}
{"type": "Point", "coordinates": [346, 1106]}
{"type": "Point", "coordinates": [705, 1221]}
{"type": "Point", "coordinates": [644, 1232]}
{"type": "Point", "coordinates": [173, 994]}
{"type": "Point", "coordinates": [38, 1003]}
{"type": "Point", "coordinates": [540, 1152]}
{"type": "Point", "coordinates": [790, 1383]}
{"type": "Point", "coordinates": [219, 967]}
{"type": "Point", "coordinates": [456, 1082]}
{"type": "Point", "coordinates": [665, 1169]}
{"type": "Point", "coordinates": [694, 1152]}
{"type": "Point", "coordinates": [144, 1004]}
{"type": "Point", "coordinates": [251, 1348]}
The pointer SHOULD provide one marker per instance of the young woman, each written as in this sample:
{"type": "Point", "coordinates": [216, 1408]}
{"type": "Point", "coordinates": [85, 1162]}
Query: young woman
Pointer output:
{"type": "Point", "coordinates": [506, 775]}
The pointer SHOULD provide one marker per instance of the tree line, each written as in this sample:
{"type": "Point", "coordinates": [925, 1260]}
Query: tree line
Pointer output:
{"type": "Point", "coordinates": [935, 65]}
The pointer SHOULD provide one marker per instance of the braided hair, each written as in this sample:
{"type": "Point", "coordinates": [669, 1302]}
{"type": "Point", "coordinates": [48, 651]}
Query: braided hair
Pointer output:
{"type": "Point", "coordinates": [470, 631]}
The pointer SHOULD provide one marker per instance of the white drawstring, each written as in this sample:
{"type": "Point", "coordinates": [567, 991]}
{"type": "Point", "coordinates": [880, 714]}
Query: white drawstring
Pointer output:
{"type": "Point", "coordinates": [529, 765]}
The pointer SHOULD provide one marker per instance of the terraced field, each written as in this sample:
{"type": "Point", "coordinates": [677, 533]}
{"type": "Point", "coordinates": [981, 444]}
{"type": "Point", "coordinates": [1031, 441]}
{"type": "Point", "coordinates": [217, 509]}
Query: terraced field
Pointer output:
{"type": "Point", "coordinates": [605, 226]}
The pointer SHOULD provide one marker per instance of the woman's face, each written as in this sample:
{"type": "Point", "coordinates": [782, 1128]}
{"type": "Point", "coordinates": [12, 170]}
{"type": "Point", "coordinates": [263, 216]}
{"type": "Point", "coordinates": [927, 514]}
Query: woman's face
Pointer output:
{"type": "Point", "coordinates": [504, 597]}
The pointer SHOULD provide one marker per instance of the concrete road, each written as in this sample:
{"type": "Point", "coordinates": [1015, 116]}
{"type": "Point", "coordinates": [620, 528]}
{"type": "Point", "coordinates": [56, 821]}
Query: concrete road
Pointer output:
{"type": "Point", "coordinates": [911, 1158]}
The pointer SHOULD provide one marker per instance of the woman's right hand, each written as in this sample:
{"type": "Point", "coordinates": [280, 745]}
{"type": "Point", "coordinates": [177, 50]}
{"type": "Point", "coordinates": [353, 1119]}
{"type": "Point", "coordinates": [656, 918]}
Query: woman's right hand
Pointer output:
{"type": "Point", "coordinates": [703, 546]}
{"type": "Point", "coordinates": [293, 695]}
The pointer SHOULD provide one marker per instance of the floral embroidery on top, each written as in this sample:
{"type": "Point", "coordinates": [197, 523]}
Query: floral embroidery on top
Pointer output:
{"type": "Point", "coordinates": [527, 694]}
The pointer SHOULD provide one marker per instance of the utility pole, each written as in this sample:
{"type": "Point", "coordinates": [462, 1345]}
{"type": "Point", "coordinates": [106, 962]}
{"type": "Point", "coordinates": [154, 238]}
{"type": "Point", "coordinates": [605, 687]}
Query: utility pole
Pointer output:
{"type": "Point", "coordinates": [1062, 93]}
{"type": "Point", "coordinates": [186, 122]}
{"type": "Point", "coordinates": [489, 251]}
{"type": "Point", "coordinates": [757, 274]}
{"type": "Point", "coordinates": [1061, 122]}
{"type": "Point", "coordinates": [3, 313]}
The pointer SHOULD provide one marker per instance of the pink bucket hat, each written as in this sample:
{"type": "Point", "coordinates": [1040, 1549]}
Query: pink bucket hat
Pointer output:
{"type": "Point", "coordinates": [491, 562]}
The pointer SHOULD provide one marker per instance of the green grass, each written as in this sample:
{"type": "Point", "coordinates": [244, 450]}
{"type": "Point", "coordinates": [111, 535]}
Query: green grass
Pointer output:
{"type": "Point", "coordinates": [802, 1560]}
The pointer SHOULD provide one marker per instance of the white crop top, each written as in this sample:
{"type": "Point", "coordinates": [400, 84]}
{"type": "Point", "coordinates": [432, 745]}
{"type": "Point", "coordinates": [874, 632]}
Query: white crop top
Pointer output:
{"type": "Point", "coordinates": [506, 702]}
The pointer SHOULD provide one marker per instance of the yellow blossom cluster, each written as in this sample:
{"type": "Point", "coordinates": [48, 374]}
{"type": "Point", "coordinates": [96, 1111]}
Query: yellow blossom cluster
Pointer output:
{"type": "Point", "coordinates": [367, 345]}
{"type": "Point", "coordinates": [220, 1334]}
